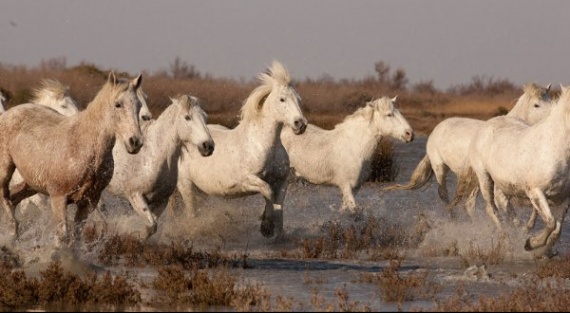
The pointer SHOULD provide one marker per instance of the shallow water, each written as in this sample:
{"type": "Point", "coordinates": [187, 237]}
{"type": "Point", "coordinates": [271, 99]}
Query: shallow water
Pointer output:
{"type": "Point", "coordinates": [233, 226]}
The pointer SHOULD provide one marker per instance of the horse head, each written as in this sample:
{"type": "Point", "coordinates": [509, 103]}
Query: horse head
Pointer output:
{"type": "Point", "coordinates": [191, 121]}
{"type": "Point", "coordinates": [534, 104]}
{"type": "Point", "coordinates": [389, 121]}
{"type": "Point", "coordinates": [126, 106]}
{"type": "Point", "coordinates": [55, 95]}
{"type": "Point", "coordinates": [282, 101]}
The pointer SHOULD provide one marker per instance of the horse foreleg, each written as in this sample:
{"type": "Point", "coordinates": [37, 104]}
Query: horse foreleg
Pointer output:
{"type": "Point", "coordinates": [138, 202]}
{"type": "Point", "coordinates": [348, 202]}
{"type": "Point", "coordinates": [279, 192]}
{"type": "Point", "coordinates": [6, 172]}
{"type": "Point", "coordinates": [187, 192]}
{"type": "Point", "coordinates": [531, 220]}
{"type": "Point", "coordinates": [59, 208]}
{"type": "Point", "coordinates": [487, 187]}
{"type": "Point", "coordinates": [556, 232]}
{"type": "Point", "coordinates": [540, 204]}
{"type": "Point", "coordinates": [11, 212]}
{"type": "Point", "coordinates": [470, 202]}
{"type": "Point", "coordinates": [81, 214]}
{"type": "Point", "coordinates": [503, 202]}
{"type": "Point", "coordinates": [253, 183]}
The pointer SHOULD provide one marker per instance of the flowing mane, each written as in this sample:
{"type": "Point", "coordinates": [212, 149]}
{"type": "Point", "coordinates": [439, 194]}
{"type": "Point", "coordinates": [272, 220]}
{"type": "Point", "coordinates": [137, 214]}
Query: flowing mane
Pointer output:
{"type": "Point", "coordinates": [277, 76]}
{"type": "Point", "coordinates": [367, 111]}
{"type": "Point", "coordinates": [57, 89]}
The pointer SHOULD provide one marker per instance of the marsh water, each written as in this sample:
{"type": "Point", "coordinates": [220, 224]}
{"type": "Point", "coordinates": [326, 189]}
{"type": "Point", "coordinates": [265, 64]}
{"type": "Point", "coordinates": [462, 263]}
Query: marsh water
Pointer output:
{"type": "Point", "coordinates": [446, 250]}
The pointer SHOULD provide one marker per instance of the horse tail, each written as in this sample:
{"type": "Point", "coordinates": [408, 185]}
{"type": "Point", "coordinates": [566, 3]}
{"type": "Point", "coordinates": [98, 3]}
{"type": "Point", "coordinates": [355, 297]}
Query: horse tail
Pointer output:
{"type": "Point", "coordinates": [420, 177]}
{"type": "Point", "coordinates": [467, 185]}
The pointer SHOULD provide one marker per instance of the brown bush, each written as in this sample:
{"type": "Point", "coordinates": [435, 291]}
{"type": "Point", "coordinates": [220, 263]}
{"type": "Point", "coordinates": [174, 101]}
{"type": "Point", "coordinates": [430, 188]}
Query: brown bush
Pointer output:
{"type": "Point", "coordinates": [58, 287]}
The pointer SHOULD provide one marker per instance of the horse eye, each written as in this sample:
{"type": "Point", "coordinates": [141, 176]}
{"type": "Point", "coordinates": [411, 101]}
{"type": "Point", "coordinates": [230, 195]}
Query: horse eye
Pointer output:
{"type": "Point", "coordinates": [536, 105]}
{"type": "Point", "coordinates": [390, 115]}
{"type": "Point", "coordinates": [187, 117]}
{"type": "Point", "coordinates": [117, 105]}
{"type": "Point", "coordinates": [64, 106]}
{"type": "Point", "coordinates": [282, 99]}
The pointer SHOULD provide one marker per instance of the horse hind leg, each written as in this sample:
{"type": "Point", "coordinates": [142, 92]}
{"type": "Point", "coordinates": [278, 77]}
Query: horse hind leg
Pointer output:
{"type": "Point", "coordinates": [440, 171]}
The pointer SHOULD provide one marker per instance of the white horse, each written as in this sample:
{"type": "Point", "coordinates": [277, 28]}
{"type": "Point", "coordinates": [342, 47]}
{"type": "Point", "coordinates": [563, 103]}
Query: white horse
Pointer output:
{"type": "Point", "coordinates": [243, 162]}
{"type": "Point", "coordinates": [448, 144]}
{"type": "Point", "coordinates": [524, 160]}
{"type": "Point", "coordinates": [2, 99]}
{"type": "Point", "coordinates": [342, 156]}
{"type": "Point", "coordinates": [147, 179]}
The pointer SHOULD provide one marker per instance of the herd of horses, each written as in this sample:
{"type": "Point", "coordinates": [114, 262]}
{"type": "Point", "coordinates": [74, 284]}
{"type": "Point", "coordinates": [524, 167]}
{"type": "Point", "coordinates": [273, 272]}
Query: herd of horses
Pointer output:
{"type": "Point", "coordinates": [50, 148]}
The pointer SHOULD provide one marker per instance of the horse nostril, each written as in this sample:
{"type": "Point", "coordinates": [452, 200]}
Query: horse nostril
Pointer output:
{"type": "Point", "coordinates": [135, 142]}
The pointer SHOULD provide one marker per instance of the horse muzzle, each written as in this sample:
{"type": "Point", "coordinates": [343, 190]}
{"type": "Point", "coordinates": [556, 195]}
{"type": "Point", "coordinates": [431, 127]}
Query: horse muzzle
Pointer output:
{"type": "Point", "coordinates": [299, 126]}
{"type": "Point", "coordinates": [134, 145]}
{"type": "Point", "coordinates": [408, 136]}
{"type": "Point", "coordinates": [207, 148]}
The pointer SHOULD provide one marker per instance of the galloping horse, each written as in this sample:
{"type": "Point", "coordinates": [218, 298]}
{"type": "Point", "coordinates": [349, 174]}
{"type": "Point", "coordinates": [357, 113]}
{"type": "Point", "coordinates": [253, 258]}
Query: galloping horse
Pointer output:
{"type": "Point", "coordinates": [448, 144]}
{"type": "Point", "coordinates": [522, 160]}
{"type": "Point", "coordinates": [68, 158]}
{"type": "Point", "coordinates": [243, 162]}
{"type": "Point", "coordinates": [183, 122]}
{"type": "Point", "coordinates": [343, 156]}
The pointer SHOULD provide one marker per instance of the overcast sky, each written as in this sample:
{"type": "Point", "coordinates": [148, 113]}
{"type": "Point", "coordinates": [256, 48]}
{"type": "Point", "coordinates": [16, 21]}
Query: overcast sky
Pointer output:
{"type": "Point", "coordinates": [448, 42]}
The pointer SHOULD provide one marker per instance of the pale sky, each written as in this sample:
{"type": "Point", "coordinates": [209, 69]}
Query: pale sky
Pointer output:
{"type": "Point", "coordinates": [448, 41]}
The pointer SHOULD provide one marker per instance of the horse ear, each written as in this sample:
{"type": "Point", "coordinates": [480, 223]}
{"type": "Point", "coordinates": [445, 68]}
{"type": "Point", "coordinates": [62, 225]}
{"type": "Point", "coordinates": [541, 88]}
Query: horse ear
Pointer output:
{"type": "Point", "coordinates": [137, 81]}
{"type": "Point", "coordinates": [112, 78]}
{"type": "Point", "coordinates": [548, 87]}
{"type": "Point", "coordinates": [395, 98]}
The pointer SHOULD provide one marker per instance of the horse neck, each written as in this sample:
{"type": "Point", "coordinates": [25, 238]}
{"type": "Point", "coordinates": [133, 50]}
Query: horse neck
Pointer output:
{"type": "Point", "coordinates": [359, 131]}
{"type": "Point", "coordinates": [554, 130]}
{"type": "Point", "coordinates": [265, 130]}
{"type": "Point", "coordinates": [162, 139]}
{"type": "Point", "coordinates": [93, 127]}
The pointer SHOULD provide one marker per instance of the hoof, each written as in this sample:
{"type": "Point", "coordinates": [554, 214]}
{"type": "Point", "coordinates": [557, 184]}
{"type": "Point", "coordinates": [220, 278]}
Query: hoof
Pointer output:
{"type": "Point", "coordinates": [267, 229]}
{"type": "Point", "coordinates": [527, 245]}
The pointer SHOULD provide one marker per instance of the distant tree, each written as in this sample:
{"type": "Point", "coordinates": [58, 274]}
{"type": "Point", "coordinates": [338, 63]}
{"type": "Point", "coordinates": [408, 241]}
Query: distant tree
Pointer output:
{"type": "Point", "coordinates": [181, 69]}
{"type": "Point", "coordinates": [382, 70]}
{"type": "Point", "coordinates": [425, 87]}
{"type": "Point", "coordinates": [53, 64]}
{"type": "Point", "coordinates": [399, 80]}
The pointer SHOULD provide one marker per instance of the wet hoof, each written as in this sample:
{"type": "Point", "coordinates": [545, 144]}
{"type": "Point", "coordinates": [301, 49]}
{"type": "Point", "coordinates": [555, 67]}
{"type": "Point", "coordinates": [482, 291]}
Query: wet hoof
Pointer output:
{"type": "Point", "coordinates": [527, 245]}
{"type": "Point", "coordinates": [357, 215]}
{"type": "Point", "coordinates": [281, 237]}
{"type": "Point", "coordinates": [267, 229]}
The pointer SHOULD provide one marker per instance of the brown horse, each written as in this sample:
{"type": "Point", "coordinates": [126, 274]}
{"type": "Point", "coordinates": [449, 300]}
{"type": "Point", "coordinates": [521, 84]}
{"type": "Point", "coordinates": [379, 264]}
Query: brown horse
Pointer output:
{"type": "Point", "coordinates": [68, 158]}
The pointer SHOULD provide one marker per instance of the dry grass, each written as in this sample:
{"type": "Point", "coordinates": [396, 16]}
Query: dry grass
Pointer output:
{"type": "Point", "coordinates": [494, 255]}
{"type": "Point", "coordinates": [369, 237]}
{"type": "Point", "coordinates": [398, 287]}
{"type": "Point", "coordinates": [558, 267]}
{"type": "Point", "coordinates": [537, 297]}
{"type": "Point", "coordinates": [133, 252]}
